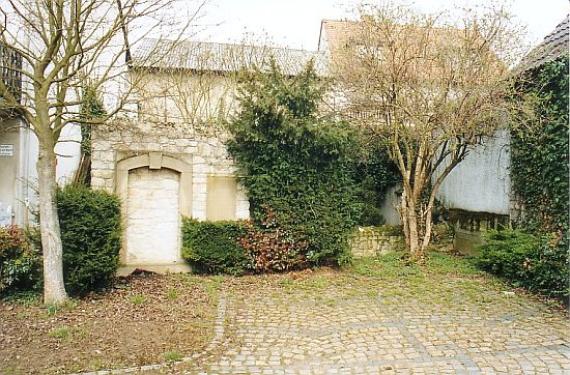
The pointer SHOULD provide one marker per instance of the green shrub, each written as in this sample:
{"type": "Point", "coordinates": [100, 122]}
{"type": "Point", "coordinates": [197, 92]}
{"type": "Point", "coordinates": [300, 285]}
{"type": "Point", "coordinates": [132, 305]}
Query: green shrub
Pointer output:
{"type": "Point", "coordinates": [20, 261]}
{"type": "Point", "coordinates": [538, 263]}
{"type": "Point", "coordinates": [213, 247]}
{"type": "Point", "coordinates": [375, 174]}
{"type": "Point", "coordinates": [91, 235]}
{"type": "Point", "coordinates": [296, 162]}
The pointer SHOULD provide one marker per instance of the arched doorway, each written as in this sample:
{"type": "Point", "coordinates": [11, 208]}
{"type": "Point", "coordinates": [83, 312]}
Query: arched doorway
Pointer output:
{"type": "Point", "coordinates": [155, 190]}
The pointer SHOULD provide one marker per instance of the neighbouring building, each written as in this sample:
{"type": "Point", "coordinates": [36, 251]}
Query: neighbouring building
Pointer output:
{"type": "Point", "coordinates": [19, 150]}
{"type": "Point", "coordinates": [167, 159]}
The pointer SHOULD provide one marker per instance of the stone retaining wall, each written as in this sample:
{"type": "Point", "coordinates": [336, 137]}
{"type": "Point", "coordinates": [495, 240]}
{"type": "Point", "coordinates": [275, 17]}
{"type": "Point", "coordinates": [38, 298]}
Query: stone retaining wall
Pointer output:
{"type": "Point", "coordinates": [374, 241]}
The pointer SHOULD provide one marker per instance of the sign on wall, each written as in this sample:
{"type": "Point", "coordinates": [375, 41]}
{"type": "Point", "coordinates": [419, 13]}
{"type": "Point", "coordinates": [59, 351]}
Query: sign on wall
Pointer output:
{"type": "Point", "coordinates": [6, 150]}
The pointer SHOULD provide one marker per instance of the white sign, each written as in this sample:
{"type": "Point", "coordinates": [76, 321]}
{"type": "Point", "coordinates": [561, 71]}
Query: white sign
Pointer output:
{"type": "Point", "coordinates": [6, 150]}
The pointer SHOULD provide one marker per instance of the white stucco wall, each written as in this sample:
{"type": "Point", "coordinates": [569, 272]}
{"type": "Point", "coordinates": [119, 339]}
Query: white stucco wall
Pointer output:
{"type": "Point", "coordinates": [481, 183]}
{"type": "Point", "coordinates": [68, 151]}
{"type": "Point", "coordinates": [18, 173]}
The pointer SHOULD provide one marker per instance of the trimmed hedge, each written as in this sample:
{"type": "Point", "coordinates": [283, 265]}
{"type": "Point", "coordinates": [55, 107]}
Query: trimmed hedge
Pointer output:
{"type": "Point", "coordinates": [538, 263]}
{"type": "Point", "coordinates": [213, 247]}
{"type": "Point", "coordinates": [90, 222]}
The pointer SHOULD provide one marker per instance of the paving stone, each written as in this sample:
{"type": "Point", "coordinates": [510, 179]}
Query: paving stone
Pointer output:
{"type": "Point", "coordinates": [347, 330]}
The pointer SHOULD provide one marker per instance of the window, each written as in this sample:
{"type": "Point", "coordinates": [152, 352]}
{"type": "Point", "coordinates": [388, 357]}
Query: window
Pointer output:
{"type": "Point", "coordinates": [221, 198]}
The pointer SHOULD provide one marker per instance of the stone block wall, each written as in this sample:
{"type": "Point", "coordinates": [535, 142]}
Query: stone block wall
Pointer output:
{"type": "Point", "coordinates": [205, 153]}
{"type": "Point", "coordinates": [470, 226]}
{"type": "Point", "coordinates": [374, 241]}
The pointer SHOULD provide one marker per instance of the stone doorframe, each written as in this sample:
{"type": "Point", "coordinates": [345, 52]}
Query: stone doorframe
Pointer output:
{"type": "Point", "coordinates": [152, 160]}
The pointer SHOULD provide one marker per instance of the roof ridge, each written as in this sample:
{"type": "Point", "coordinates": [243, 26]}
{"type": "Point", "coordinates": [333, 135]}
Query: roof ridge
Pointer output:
{"type": "Point", "coordinates": [189, 41]}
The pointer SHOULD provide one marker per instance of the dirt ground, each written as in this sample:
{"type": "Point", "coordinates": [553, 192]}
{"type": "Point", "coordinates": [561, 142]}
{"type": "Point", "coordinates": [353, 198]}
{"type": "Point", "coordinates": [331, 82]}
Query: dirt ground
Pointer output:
{"type": "Point", "coordinates": [143, 319]}
{"type": "Point", "coordinates": [380, 315]}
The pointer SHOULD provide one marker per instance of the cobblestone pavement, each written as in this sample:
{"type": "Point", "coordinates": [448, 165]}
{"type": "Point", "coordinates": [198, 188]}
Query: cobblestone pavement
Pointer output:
{"type": "Point", "coordinates": [327, 324]}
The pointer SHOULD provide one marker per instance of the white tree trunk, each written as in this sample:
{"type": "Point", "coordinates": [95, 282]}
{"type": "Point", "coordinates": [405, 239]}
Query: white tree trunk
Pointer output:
{"type": "Point", "coordinates": [54, 288]}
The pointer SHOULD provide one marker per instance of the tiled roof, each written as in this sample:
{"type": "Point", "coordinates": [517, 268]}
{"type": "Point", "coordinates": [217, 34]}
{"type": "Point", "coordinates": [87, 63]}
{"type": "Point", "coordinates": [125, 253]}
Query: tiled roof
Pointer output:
{"type": "Point", "coordinates": [220, 57]}
{"type": "Point", "coordinates": [553, 46]}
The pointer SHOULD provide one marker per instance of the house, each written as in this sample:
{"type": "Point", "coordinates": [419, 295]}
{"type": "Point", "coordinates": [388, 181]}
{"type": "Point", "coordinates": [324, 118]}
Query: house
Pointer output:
{"type": "Point", "coordinates": [166, 158]}
{"type": "Point", "coordinates": [19, 148]}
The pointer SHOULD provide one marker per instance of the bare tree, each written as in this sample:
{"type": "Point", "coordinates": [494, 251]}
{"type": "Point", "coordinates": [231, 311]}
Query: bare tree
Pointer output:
{"type": "Point", "coordinates": [431, 88]}
{"type": "Point", "coordinates": [63, 43]}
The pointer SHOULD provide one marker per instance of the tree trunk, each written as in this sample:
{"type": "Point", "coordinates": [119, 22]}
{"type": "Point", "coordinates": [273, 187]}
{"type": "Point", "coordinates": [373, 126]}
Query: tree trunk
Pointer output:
{"type": "Point", "coordinates": [428, 224]}
{"type": "Point", "coordinates": [410, 223]}
{"type": "Point", "coordinates": [54, 288]}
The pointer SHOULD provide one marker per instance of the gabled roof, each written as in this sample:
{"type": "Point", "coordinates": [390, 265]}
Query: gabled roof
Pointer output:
{"type": "Point", "coordinates": [220, 57]}
{"type": "Point", "coordinates": [553, 46]}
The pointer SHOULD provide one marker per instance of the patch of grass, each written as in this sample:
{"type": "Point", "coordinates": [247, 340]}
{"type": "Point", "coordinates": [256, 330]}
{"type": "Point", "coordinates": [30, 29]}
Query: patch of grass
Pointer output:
{"type": "Point", "coordinates": [68, 305]}
{"type": "Point", "coordinates": [212, 285]}
{"type": "Point", "coordinates": [442, 263]}
{"type": "Point", "coordinates": [10, 371]}
{"type": "Point", "coordinates": [172, 294]}
{"type": "Point", "coordinates": [97, 364]}
{"type": "Point", "coordinates": [316, 282]}
{"type": "Point", "coordinates": [287, 284]}
{"type": "Point", "coordinates": [397, 265]}
{"type": "Point", "coordinates": [172, 356]}
{"type": "Point", "coordinates": [137, 299]}
{"type": "Point", "coordinates": [388, 266]}
{"type": "Point", "coordinates": [62, 333]}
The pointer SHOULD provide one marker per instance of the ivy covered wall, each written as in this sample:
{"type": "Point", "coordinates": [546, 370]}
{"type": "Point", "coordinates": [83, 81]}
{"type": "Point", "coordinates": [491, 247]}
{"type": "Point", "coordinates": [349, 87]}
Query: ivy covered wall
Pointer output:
{"type": "Point", "coordinates": [539, 152]}
{"type": "Point", "coordinates": [535, 254]}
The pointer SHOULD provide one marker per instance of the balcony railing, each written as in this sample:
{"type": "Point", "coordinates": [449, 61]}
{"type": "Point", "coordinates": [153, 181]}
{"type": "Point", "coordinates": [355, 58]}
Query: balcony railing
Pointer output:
{"type": "Point", "coordinates": [11, 72]}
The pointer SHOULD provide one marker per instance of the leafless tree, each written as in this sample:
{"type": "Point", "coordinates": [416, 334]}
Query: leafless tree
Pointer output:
{"type": "Point", "coordinates": [63, 43]}
{"type": "Point", "coordinates": [431, 87]}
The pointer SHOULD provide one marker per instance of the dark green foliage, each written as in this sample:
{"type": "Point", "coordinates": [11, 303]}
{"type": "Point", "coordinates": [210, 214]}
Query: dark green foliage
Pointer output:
{"type": "Point", "coordinates": [540, 151]}
{"type": "Point", "coordinates": [537, 263]}
{"type": "Point", "coordinates": [92, 109]}
{"type": "Point", "coordinates": [539, 172]}
{"type": "Point", "coordinates": [295, 163]}
{"type": "Point", "coordinates": [91, 235]}
{"type": "Point", "coordinates": [20, 261]}
{"type": "Point", "coordinates": [376, 174]}
{"type": "Point", "coordinates": [213, 247]}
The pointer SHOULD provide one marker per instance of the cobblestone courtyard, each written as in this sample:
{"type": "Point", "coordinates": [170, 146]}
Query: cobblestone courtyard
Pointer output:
{"type": "Point", "coordinates": [381, 318]}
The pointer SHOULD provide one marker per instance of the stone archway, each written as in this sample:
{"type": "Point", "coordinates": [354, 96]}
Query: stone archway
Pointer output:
{"type": "Point", "coordinates": [155, 190]}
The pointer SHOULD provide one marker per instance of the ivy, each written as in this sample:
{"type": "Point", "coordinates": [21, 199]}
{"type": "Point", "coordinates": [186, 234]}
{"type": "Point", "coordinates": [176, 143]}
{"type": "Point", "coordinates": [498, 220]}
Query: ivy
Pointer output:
{"type": "Point", "coordinates": [539, 172]}
{"type": "Point", "coordinates": [540, 151]}
{"type": "Point", "coordinates": [295, 163]}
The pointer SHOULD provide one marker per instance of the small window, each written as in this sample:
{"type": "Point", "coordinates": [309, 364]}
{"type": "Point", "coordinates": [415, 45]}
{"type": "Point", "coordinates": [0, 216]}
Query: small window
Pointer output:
{"type": "Point", "coordinates": [221, 198]}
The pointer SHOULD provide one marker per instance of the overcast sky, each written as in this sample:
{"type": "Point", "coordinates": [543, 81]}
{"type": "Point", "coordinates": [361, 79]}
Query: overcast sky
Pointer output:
{"type": "Point", "coordinates": [296, 23]}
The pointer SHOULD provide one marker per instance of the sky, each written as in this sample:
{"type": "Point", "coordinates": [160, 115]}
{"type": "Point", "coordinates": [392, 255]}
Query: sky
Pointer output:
{"type": "Point", "coordinates": [296, 23]}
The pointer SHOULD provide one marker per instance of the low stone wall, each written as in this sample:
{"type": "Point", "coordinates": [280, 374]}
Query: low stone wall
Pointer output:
{"type": "Point", "coordinates": [470, 226]}
{"type": "Point", "coordinates": [374, 241]}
